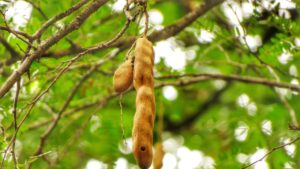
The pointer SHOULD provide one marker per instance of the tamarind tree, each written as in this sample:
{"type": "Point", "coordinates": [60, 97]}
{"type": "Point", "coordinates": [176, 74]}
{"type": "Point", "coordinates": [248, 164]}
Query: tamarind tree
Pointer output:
{"type": "Point", "coordinates": [186, 84]}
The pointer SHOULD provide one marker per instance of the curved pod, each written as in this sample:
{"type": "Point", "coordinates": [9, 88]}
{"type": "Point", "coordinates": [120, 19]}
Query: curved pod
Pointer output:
{"type": "Point", "coordinates": [123, 77]}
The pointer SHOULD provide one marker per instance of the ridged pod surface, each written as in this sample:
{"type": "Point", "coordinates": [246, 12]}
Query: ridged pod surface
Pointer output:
{"type": "Point", "coordinates": [143, 63]}
{"type": "Point", "coordinates": [142, 132]}
{"type": "Point", "coordinates": [123, 76]}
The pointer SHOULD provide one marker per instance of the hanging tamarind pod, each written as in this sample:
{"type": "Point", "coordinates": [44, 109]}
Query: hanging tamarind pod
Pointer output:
{"type": "Point", "coordinates": [123, 76]}
{"type": "Point", "coordinates": [142, 132]}
{"type": "Point", "coordinates": [145, 104]}
{"type": "Point", "coordinates": [143, 64]}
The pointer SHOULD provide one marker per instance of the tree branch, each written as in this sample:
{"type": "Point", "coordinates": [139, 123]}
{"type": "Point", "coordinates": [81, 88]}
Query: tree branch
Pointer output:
{"type": "Point", "coordinates": [175, 28]}
{"type": "Point", "coordinates": [56, 18]}
{"type": "Point", "coordinates": [15, 32]}
{"type": "Point", "coordinates": [165, 33]}
{"type": "Point", "coordinates": [8, 29]}
{"type": "Point", "coordinates": [184, 80]}
{"type": "Point", "coordinates": [74, 25]}
{"type": "Point", "coordinates": [185, 21]}
{"type": "Point", "coordinates": [194, 78]}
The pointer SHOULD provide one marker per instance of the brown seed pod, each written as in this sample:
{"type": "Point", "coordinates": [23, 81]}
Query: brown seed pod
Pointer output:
{"type": "Point", "coordinates": [145, 104]}
{"type": "Point", "coordinates": [123, 76]}
{"type": "Point", "coordinates": [143, 126]}
{"type": "Point", "coordinates": [143, 64]}
{"type": "Point", "coordinates": [158, 156]}
{"type": "Point", "coordinates": [142, 132]}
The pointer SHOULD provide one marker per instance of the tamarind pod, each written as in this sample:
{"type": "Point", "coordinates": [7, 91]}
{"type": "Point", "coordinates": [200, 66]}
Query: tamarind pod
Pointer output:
{"type": "Point", "coordinates": [143, 74]}
{"type": "Point", "coordinates": [144, 48]}
{"type": "Point", "coordinates": [142, 147]}
{"type": "Point", "coordinates": [143, 125]}
{"type": "Point", "coordinates": [142, 141]}
{"type": "Point", "coordinates": [145, 100]}
{"type": "Point", "coordinates": [147, 51]}
{"type": "Point", "coordinates": [145, 94]}
{"type": "Point", "coordinates": [142, 133]}
{"type": "Point", "coordinates": [145, 114]}
{"type": "Point", "coordinates": [123, 76]}
{"type": "Point", "coordinates": [158, 156]}
{"type": "Point", "coordinates": [144, 79]}
{"type": "Point", "coordinates": [143, 65]}
{"type": "Point", "coordinates": [146, 61]}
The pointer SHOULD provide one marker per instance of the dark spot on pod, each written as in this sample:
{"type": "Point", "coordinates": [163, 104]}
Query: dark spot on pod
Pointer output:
{"type": "Point", "coordinates": [143, 148]}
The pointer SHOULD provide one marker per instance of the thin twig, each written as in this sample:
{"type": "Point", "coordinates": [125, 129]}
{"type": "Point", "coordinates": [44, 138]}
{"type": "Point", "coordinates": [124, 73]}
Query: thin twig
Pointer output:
{"type": "Point", "coordinates": [38, 9]}
{"type": "Point", "coordinates": [8, 29]}
{"type": "Point", "coordinates": [15, 124]}
{"type": "Point", "coordinates": [14, 112]}
{"type": "Point", "coordinates": [146, 19]}
{"type": "Point", "coordinates": [122, 119]}
{"type": "Point", "coordinates": [290, 109]}
{"type": "Point", "coordinates": [74, 110]}
{"type": "Point", "coordinates": [271, 151]}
